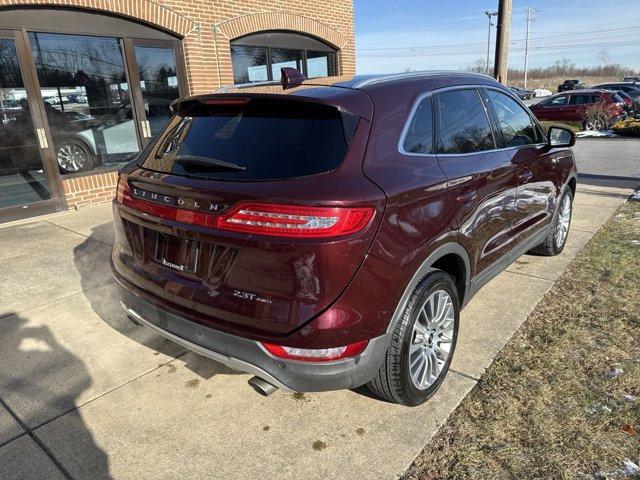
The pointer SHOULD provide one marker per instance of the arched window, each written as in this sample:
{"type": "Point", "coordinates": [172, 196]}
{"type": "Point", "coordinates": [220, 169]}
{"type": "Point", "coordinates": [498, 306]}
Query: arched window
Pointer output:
{"type": "Point", "coordinates": [259, 57]}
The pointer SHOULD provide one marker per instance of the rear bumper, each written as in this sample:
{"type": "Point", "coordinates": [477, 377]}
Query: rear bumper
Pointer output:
{"type": "Point", "coordinates": [249, 356]}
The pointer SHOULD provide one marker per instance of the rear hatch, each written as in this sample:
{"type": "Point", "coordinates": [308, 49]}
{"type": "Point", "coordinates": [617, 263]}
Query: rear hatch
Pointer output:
{"type": "Point", "coordinates": [250, 212]}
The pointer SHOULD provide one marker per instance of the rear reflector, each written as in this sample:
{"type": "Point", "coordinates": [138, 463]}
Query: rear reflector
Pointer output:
{"type": "Point", "coordinates": [261, 218]}
{"type": "Point", "coordinates": [315, 355]}
{"type": "Point", "coordinates": [295, 221]}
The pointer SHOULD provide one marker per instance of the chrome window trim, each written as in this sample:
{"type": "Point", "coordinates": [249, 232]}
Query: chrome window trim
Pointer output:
{"type": "Point", "coordinates": [422, 96]}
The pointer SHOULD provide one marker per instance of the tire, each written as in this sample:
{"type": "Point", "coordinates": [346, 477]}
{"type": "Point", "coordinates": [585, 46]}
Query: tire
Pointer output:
{"type": "Point", "coordinates": [73, 156]}
{"type": "Point", "coordinates": [554, 243]}
{"type": "Point", "coordinates": [394, 381]}
{"type": "Point", "coordinates": [593, 125]}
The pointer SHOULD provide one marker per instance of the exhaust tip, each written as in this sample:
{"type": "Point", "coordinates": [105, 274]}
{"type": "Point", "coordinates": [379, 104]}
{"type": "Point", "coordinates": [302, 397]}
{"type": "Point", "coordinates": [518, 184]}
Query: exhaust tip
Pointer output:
{"type": "Point", "coordinates": [262, 386]}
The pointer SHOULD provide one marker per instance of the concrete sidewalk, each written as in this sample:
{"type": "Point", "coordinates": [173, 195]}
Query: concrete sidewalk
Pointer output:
{"type": "Point", "coordinates": [85, 394]}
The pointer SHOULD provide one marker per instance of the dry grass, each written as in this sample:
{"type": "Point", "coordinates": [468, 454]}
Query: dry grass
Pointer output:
{"type": "Point", "coordinates": [550, 406]}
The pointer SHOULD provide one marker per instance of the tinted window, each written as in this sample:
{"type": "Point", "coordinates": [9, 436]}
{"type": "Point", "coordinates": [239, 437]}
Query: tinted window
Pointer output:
{"type": "Point", "coordinates": [557, 102]}
{"type": "Point", "coordinates": [581, 99]}
{"type": "Point", "coordinates": [464, 126]}
{"type": "Point", "coordinates": [270, 139]}
{"type": "Point", "coordinates": [513, 121]}
{"type": "Point", "coordinates": [419, 136]}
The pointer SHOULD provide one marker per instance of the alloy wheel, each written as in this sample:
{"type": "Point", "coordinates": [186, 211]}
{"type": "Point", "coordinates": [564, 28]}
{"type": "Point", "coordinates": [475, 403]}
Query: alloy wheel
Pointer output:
{"type": "Point", "coordinates": [72, 157]}
{"type": "Point", "coordinates": [564, 218]}
{"type": "Point", "coordinates": [431, 339]}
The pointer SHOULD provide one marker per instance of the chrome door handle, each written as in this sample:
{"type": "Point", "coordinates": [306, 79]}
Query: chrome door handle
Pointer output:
{"type": "Point", "coordinates": [525, 176]}
{"type": "Point", "coordinates": [466, 197]}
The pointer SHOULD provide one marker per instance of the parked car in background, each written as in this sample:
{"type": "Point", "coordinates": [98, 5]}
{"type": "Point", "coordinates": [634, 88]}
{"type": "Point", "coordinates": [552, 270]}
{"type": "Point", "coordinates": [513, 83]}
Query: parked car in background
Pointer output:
{"type": "Point", "coordinates": [522, 93]}
{"type": "Point", "coordinates": [570, 106]}
{"type": "Point", "coordinates": [630, 105]}
{"type": "Point", "coordinates": [350, 267]}
{"type": "Point", "coordinates": [571, 85]}
{"type": "Point", "coordinates": [631, 79]}
{"type": "Point", "coordinates": [631, 89]}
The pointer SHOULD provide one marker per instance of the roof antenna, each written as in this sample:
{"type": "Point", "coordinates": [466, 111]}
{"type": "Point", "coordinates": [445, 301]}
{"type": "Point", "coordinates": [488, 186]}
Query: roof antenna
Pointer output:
{"type": "Point", "coordinates": [290, 77]}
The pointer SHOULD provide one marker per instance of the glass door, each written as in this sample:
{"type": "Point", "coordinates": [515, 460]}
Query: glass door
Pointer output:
{"type": "Point", "coordinates": [159, 75]}
{"type": "Point", "coordinates": [25, 181]}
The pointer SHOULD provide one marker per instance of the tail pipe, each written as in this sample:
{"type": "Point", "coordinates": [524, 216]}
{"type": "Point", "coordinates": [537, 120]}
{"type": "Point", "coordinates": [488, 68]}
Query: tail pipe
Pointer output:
{"type": "Point", "coordinates": [261, 386]}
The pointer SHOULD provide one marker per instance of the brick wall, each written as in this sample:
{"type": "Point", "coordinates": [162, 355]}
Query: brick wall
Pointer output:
{"type": "Point", "coordinates": [207, 27]}
{"type": "Point", "coordinates": [90, 189]}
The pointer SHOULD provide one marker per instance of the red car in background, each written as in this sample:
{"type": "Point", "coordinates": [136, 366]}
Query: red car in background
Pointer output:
{"type": "Point", "coordinates": [570, 106]}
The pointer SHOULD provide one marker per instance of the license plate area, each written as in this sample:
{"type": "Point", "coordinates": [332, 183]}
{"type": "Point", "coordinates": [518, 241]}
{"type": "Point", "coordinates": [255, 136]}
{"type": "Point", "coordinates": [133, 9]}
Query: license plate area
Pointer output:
{"type": "Point", "coordinates": [181, 254]}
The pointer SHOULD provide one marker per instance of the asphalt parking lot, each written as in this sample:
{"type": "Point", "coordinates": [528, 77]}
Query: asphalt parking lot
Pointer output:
{"type": "Point", "coordinates": [85, 394]}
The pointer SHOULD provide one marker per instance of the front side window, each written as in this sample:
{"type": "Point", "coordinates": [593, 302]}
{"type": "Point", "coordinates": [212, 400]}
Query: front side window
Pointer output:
{"type": "Point", "coordinates": [560, 101]}
{"type": "Point", "coordinates": [419, 135]}
{"type": "Point", "coordinates": [464, 126]}
{"type": "Point", "coordinates": [513, 121]}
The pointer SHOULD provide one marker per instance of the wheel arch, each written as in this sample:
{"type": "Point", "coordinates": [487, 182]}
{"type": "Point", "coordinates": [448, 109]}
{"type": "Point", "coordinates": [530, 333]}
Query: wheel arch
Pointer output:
{"type": "Point", "coordinates": [450, 257]}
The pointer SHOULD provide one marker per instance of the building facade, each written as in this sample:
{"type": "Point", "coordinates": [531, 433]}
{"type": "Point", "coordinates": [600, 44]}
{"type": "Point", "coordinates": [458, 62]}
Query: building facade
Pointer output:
{"type": "Point", "coordinates": [85, 84]}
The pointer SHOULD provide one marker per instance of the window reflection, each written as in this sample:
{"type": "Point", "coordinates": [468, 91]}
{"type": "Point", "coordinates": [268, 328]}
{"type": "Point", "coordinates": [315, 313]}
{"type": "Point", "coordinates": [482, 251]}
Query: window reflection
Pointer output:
{"type": "Point", "coordinates": [249, 64]}
{"type": "Point", "coordinates": [86, 97]}
{"type": "Point", "coordinates": [22, 178]}
{"type": "Point", "coordinates": [158, 82]}
{"type": "Point", "coordinates": [259, 57]}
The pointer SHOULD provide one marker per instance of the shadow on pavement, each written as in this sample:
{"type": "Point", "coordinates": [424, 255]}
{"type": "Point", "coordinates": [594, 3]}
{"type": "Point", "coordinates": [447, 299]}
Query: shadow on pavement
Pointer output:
{"type": "Point", "coordinates": [106, 304]}
{"type": "Point", "coordinates": [42, 375]}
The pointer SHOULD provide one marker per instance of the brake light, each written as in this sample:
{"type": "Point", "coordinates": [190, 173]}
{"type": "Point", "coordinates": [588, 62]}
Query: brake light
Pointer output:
{"type": "Point", "coordinates": [295, 221]}
{"type": "Point", "coordinates": [315, 354]}
{"type": "Point", "coordinates": [123, 192]}
{"type": "Point", "coordinates": [260, 218]}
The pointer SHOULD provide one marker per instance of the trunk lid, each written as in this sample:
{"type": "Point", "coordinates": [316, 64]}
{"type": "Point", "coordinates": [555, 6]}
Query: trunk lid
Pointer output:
{"type": "Point", "coordinates": [300, 152]}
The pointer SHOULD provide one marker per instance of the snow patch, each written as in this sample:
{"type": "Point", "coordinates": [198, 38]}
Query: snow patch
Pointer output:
{"type": "Point", "coordinates": [617, 371]}
{"type": "Point", "coordinates": [596, 134]}
{"type": "Point", "coordinates": [598, 408]}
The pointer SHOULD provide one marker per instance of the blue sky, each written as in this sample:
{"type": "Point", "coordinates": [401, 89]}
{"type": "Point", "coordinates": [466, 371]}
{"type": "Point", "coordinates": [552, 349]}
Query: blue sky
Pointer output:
{"type": "Point", "coordinates": [393, 36]}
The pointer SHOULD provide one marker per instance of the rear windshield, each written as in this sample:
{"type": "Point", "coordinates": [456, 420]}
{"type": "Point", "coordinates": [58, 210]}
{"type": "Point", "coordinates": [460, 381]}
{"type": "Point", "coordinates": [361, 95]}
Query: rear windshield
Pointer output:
{"type": "Point", "coordinates": [253, 139]}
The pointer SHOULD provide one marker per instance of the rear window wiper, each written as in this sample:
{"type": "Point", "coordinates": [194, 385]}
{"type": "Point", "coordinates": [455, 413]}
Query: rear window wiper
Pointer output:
{"type": "Point", "coordinates": [208, 162]}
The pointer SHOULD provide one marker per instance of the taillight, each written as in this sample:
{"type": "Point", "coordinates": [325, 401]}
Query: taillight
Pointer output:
{"type": "Point", "coordinates": [295, 221]}
{"type": "Point", "coordinates": [261, 218]}
{"type": "Point", "coordinates": [315, 354]}
{"type": "Point", "coordinates": [123, 192]}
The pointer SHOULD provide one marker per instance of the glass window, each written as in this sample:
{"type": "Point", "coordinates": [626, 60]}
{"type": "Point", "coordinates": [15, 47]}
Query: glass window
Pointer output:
{"type": "Point", "coordinates": [581, 99]}
{"type": "Point", "coordinates": [514, 122]}
{"type": "Point", "coordinates": [249, 64]}
{"type": "Point", "coordinates": [268, 139]}
{"type": "Point", "coordinates": [158, 83]}
{"type": "Point", "coordinates": [285, 57]}
{"type": "Point", "coordinates": [22, 177]}
{"type": "Point", "coordinates": [260, 56]}
{"type": "Point", "coordinates": [419, 136]}
{"type": "Point", "coordinates": [560, 101]}
{"type": "Point", "coordinates": [320, 64]}
{"type": "Point", "coordinates": [464, 127]}
{"type": "Point", "coordinates": [83, 83]}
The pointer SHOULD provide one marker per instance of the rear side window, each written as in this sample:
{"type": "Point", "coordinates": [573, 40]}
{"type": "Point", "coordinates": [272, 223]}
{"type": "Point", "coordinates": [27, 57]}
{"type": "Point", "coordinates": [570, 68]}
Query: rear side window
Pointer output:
{"type": "Point", "coordinates": [513, 121]}
{"type": "Point", "coordinates": [581, 99]}
{"type": "Point", "coordinates": [253, 139]}
{"type": "Point", "coordinates": [419, 135]}
{"type": "Point", "coordinates": [464, 126]}
{"type": "Point", "coordinates": [617, 98]}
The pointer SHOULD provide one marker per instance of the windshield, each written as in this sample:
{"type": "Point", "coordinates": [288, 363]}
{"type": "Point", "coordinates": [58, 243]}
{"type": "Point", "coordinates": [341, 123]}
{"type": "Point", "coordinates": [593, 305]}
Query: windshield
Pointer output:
{"type": "Point", "coordinates": [252, 139]}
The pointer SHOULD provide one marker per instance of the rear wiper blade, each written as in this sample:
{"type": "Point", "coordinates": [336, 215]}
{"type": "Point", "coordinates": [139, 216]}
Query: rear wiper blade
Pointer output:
{"type": "Point", "coordinates": [208, 162]}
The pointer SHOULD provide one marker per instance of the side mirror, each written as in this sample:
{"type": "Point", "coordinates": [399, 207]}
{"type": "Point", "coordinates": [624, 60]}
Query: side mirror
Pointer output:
{"type": "Point", "coordinates": [560, 137]}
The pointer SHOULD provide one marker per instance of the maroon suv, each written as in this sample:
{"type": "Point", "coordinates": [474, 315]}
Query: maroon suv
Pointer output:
{"type": "Point", "coordinates": [324, 236]}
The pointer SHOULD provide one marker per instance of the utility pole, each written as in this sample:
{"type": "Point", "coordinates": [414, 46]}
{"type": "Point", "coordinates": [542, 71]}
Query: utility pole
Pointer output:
{"type": "Point", "coordinates": [502, 41]}
{"type": "Point", "coordinates": [530, 19]}
{"type": "Point", "coordinates": [489, 15]}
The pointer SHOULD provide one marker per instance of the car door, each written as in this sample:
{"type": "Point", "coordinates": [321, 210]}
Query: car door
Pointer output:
{"type": "Point", "coordinates": [481, 179]}
{"type": "Point", "coordinates": [536, 169]}
{"type": "Point", "coordinates": [555, 107]}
